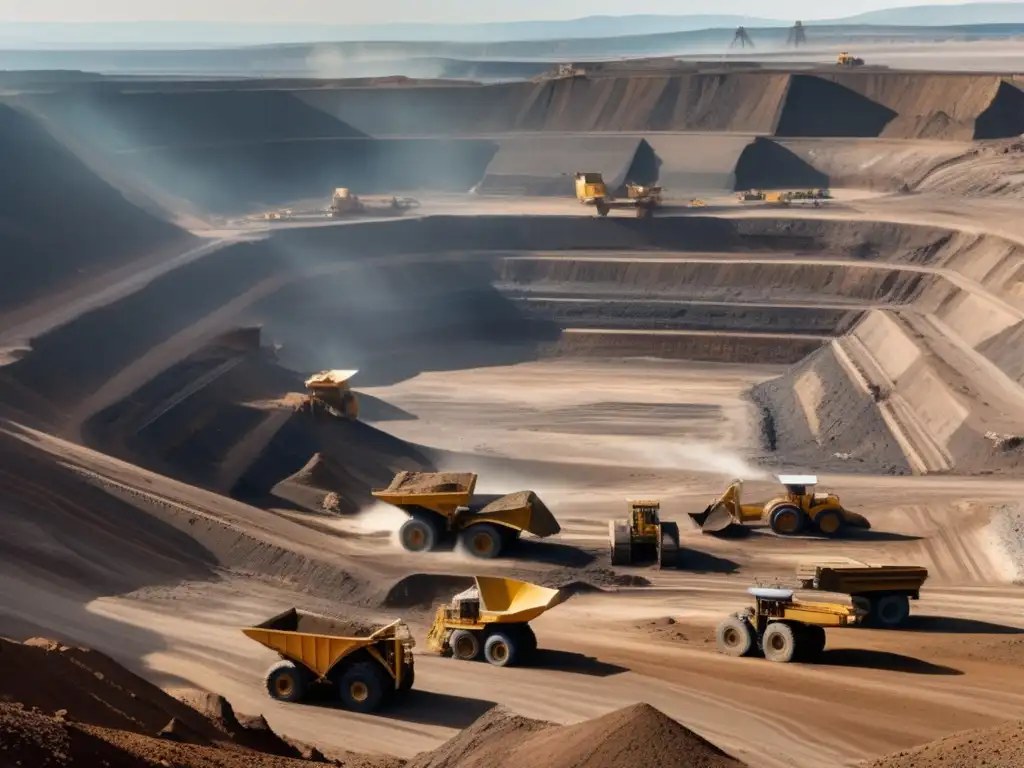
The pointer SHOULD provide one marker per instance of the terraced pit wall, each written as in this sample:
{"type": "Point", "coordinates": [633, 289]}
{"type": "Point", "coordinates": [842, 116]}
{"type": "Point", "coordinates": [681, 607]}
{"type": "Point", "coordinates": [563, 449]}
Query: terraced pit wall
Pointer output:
{"type": "Point", "coordinates": [230, 149]}
{"type": "Point", "coordinates": [398, 298]}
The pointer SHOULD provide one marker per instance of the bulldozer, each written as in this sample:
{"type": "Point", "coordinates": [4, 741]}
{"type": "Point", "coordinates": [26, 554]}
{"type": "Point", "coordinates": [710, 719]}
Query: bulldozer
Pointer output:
{"type": "Point", "coordinates": [442, 505]}
{"type": "Point", "coordinates": [847, 60]}
{"type": "Point", "coordinates": [799, 510]}
{"type": "Point", "coordinates": [329, 391]}
{"type": "Point", "coordinates": [491, 620]}
{"type": "Point", "coordinates": [643, 198]}
{"type": "Point", "coordinates": [644, 537]}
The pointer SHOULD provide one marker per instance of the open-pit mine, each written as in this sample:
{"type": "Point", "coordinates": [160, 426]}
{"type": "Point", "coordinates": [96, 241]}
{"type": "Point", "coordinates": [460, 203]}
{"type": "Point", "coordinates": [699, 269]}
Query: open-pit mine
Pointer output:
{"type": "Point", "coordinates": [173, 274]}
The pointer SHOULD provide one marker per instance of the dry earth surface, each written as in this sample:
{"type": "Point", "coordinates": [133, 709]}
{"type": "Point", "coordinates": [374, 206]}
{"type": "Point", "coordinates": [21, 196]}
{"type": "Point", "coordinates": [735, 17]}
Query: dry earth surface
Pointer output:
{"type": "Point", "coordinates": [159, 490]}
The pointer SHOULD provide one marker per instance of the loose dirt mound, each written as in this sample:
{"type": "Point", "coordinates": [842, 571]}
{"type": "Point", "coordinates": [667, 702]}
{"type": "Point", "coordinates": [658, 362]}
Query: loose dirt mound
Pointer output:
{"type": "Point", "coordinates": [636, 735]}
{"type": "Point", "coordinates": [999, 747]}
{"type": "Point", "coordinates": [30, 738]}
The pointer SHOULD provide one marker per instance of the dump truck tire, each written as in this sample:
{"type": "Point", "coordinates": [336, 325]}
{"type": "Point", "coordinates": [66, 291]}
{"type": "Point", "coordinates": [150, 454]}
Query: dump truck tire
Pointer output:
{"type": "Point", "coordinates": [465, 645]}
{"type": "Point", "coordinates": [830, 523]}
{"type": "Point", "coordinates": [786, 520]}
{"type": "Point", "coordinates": [287, 681]}
{"type": "Point", "coordinates": [501, 649]}
{"type": "Point", "coordinates": [527, 642]}
{"type": "Point", "coordinates": [620, 543]}
{"type": "Point", "coordinates": [736, 637]}
{"type": "Point", "coordinates": [483, 540]}
{"type": "Point", "coordinates": [816, 642]}
{"type": "Point", "coordinates": [780, 642]}
{"type": "Point", "coordinates": [408, 678]}
{"type": "Point", "coordinates": [889, 611]}
{"type": "Point", "coordinates": [668, 546]}
{"type": "Point", "coordinates": [420, 533]}
{"type": "Point", "coordinates": [362, 688]}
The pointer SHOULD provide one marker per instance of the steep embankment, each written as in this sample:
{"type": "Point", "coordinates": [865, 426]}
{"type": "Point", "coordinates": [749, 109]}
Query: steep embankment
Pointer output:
{"type": "Point", "coordinates": [59, 222]}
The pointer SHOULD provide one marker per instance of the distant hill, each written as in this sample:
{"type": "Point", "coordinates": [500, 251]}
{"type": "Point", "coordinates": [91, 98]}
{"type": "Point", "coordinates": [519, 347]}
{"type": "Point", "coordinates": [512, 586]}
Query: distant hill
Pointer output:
{"type": "Point", "coordinates": [174, 34]}
{"type": "Point", "coordinates": [942, 15]}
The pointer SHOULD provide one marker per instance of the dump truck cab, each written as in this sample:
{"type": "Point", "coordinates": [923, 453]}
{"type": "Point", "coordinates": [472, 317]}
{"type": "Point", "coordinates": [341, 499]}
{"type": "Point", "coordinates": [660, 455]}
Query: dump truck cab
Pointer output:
{"type": "Point", "coordinates": [490, 621]}
{"type": "Point", "coordinates": [365, 668]}
{"type": "Point", "coordinates": [442, 506]}
{"type": "Point", "coordinates": [782, 628]}
{"type": "Point", "coordinates": [331, 391]}
{"type": "Point", "coordinates": [590, 188]}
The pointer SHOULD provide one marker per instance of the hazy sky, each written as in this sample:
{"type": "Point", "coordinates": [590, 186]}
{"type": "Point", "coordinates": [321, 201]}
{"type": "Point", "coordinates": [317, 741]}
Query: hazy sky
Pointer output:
{"type": "Point", "coordinates": [440, 11]}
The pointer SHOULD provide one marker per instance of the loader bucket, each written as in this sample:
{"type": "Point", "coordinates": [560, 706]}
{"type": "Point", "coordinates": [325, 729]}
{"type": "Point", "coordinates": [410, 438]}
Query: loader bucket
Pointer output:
{"type": "Point", "coordinates": [513, 601]}
{"type": "Point", "coordinates": [723, 515]}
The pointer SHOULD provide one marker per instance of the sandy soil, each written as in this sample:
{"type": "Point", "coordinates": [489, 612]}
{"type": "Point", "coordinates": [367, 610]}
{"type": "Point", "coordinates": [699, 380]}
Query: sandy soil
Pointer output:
{"type": "Point", "coordinates": [482, 357]}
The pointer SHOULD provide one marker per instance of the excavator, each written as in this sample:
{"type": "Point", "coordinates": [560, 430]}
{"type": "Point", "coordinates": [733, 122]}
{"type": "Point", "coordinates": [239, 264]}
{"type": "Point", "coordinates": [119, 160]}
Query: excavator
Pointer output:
{"type": "Point", "coordinates": [799, 510]}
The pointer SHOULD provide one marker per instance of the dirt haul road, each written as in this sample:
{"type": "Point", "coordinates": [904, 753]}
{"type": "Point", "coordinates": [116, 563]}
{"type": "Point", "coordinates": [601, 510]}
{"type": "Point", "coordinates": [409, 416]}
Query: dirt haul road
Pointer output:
{"type": "Point", "coordinates": [584, 454]}
{"type": "Point", "coordinates": [585, 435]}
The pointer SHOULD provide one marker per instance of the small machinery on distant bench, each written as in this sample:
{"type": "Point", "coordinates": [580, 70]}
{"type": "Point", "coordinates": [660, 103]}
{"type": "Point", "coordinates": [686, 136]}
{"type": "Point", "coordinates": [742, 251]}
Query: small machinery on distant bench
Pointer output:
{"type": "Point", "coordinates": [884, 592]}
{"type": "Point", "coordinates": [781, 628]}
{"type": "Point", "coordinates": [365, 669]}
{"type": "Point", "coordinates": [330, 391]}
{"type": "Point", "coordinates": [491, 621]}
{"type": "Point", "coordinates": [799, 510]}
{"type": "Point", "coordinates": [442, 505]}
{"type": "Point", "coordinates": [644, 537]}
{"type": "Point", "coordinates": [591, 190]}
{"type": "Point", "coordinates": [346, 203]}
{"type": "Point", "coordinates": [848, 60]}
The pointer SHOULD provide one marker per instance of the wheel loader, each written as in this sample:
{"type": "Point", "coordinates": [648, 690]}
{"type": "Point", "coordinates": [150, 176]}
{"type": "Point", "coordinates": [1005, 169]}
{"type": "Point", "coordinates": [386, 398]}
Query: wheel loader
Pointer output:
{"type": "Point", "coordinates": [781, 628]}
{"type": "Point", "coordinates": [442, 506]}
{"type": "Point", "coordinates": [365, 670]}
{"type": "Point", "coordinates": [491, 621]}
{"type": "Point", "coordinates": [591, 190]}
{"type": "Point", "coordinates": [848, 60]}
{"type": "Point", "coordinates": [644, 537]}
{"type": "Point", "coordinates": [799, 510]}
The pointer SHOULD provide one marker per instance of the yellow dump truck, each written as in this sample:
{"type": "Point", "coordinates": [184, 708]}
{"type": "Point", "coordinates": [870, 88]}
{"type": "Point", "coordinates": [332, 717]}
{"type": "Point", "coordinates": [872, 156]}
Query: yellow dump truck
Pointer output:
{"type": "Point", "coordinates": [884, 592]}
{"type": "Point", "coordinates": [781, 628]}
{"type": "Point", "coordinates": [799, 510]}
{"type": "Point", "coordinates": [442, 505]}
{"type": "Point", "coordinates": [366, 667]}
{"type": "Point", "coordinates": [592, 190]}
{"type": "Point", "coordinates": [330, 391]}
{"type": "Point", "coordinates": [491, 620]}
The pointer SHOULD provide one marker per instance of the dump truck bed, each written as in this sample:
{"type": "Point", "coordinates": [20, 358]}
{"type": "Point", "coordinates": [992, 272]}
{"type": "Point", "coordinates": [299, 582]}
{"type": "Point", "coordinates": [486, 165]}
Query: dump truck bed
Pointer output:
{"type": "Point", "coordinates": [522, 509]}
{"type": "Point", "coordinates": [512, 601]}
{"type": "Point", "coordinates": [433, 490]}
{"type": "Point", "coordinates": [858, 579]}
{"type": "Point", "coordinates": [319, 642]}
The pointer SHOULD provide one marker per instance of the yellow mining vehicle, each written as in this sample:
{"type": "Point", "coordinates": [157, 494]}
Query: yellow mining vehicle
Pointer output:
{"type": "Point", "coordinates": [797, 511]}
{"type": "Point", "coordinates": [330, 391]}
{"type": "Point", "coordinates": [848, 60]}
{"type": "Point", "coordinates": [781, 628]}
{"type": "Point", "coordinates": [365, 667]}
{"type": "Point", "coordinates": [442, 505]}
{"type": "Point", "coordinates": [644, 537]}
{"type": "Point", "coordinates": [491, 620]}
{"type": "Point", "coordinates": [591, 190]}
{"type": "Point", "coordinates": [883, 591]}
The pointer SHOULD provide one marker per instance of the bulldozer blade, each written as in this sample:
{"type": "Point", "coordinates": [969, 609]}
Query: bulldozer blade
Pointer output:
{"type": "Point", "coordinates": [718, 518]}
